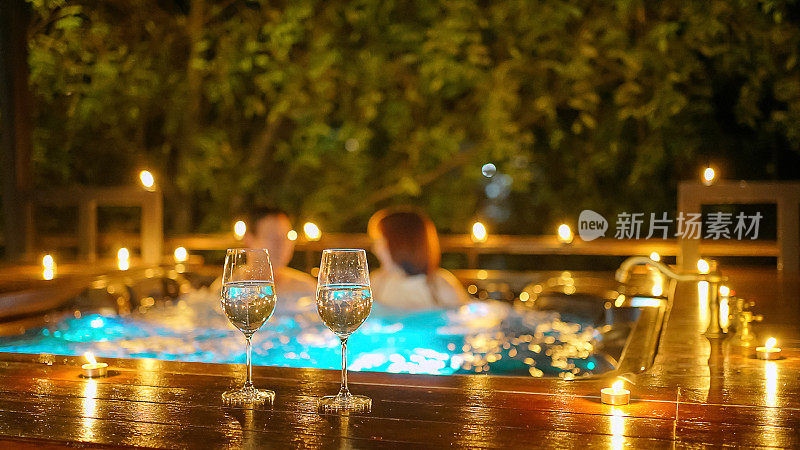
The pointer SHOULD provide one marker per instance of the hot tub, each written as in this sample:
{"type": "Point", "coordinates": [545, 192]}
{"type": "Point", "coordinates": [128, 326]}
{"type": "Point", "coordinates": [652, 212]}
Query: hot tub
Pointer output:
{"type": "Point", "coordinates": [566, 329]}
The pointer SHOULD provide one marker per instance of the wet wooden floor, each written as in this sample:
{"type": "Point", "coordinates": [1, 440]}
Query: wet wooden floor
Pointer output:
{"type": "Point", "coordinates": [697, 393]}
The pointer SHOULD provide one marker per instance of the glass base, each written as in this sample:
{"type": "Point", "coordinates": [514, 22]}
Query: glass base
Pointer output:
{"type": "Point", "coordinates": [349, 402]}
{"type": "Point", "coordinates": [248, 395]}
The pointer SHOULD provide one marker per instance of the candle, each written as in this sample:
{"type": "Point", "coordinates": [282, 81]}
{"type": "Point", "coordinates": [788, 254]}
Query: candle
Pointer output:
{"type": "Point", "coordinates": [615, 395]}
{"type": "Point", "coordinates": [769, 351]}
{"type": "Point", "coordinates": [94, 368]}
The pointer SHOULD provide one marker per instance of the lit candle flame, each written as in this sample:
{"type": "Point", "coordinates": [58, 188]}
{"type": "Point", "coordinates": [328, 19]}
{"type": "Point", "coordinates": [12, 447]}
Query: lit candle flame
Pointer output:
{"type": "Point", "coordinates": [90, 357]}
{"type": "Point", "coordinates": [703, 266]}
{"type": "Point", "coordinates": [479, 232]}
{"type": "Point", "coordinates": [708, 175]}
{"type": "Point", "coordinates": [564, 233]}
{"type": "Point", "coordinates": [771, 343]}
{"type": "Point", "coordinates": [181, 254]}
{"type": "Point", "coordinates": [312, 231]}
{"type": "Point", "coordinates": [147, 179]}
{"type": "Point", "coordinates": [239, 229]}
{"type": "Point", "coordinates": [617, 386]}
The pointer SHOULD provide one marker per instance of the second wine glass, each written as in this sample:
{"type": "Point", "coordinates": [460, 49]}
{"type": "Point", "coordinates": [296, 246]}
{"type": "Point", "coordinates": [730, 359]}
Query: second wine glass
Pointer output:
{"type": "Point", "coordinates": [344, 301]}
{"type": "Point", "coordinates": [248, 299]}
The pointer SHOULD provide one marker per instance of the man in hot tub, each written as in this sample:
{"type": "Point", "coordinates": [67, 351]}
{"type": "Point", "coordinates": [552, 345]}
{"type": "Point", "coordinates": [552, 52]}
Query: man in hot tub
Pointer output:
{"type": "Point", "coordinates": [269, 228]}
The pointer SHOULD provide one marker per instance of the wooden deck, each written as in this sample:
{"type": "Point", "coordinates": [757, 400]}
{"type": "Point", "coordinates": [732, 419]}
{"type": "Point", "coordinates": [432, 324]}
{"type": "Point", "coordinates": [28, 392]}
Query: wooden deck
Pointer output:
{"type": "Point", "coordinates": [697, 393]}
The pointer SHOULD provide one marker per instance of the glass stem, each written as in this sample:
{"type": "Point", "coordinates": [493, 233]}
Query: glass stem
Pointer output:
{"type": "Point", "coordinates": [344, 392]}
{"type": "Point", "coordinates": [249, 382]}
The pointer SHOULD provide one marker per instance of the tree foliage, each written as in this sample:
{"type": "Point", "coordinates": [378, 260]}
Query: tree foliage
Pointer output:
{"type": "Point", "coordinates": [332, 109]}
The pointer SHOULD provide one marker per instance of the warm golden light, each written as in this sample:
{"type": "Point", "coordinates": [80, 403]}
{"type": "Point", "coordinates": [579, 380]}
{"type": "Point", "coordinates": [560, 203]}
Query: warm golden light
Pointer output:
{"type": "Point", "coordinates": [769, 350]}
{"type": "Point", "coordinates": [771, 383]}
{"type": "Point", "coordinates": [771, 343]}
{"type": "Point", "coordinates": [180, 254]}
{"type": "Point", "coordinates": [291, 235]}
{"type": "Point", "coordinates": [703, 266]}
{"type": "Point", "coordinates": [48, 267]}
{"type": "Point", "coordinates": [94, 368]}
{"type": "Point", "coordinates": [657, 290]}
{"type": "Point", "coordinates": [708, 176]}
{"type": "Point", "coordinates": [312, 231]}
{"type": "Point", "coordinates": [617, 429]}
{"type": "Point", "coordinates": [147, 179]}
{"type": "Point", "coordinates": [655, 256]}
{"type": "Point", "coordinates": [724, 291]}
{"type": "Point", "coordinates": [724, 313]}
{"type": "Point", "coordinates": [564, 234]}
{"type": "Point", "coordinates": [123, 259]}
{"type": "Point", "coordinates": [702, 302]}
{"type": "Point", "coordinates": [616, 394]}
{"type": "Point", "coordinates": [239, 229]}
{"type": "Point", "coordinates": [479, 233]}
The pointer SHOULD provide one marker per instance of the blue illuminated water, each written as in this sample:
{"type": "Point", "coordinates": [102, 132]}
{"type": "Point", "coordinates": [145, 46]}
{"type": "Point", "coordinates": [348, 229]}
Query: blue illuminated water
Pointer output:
{"type": "Point", "coordinates": [479, 337]}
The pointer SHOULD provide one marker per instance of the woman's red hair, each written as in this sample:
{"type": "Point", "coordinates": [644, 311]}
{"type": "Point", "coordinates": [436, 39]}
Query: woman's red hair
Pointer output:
{"type": "Point", "coordinates": [411, 238]}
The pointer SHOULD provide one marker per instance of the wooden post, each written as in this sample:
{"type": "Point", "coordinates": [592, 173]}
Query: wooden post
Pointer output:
{"type": "Point", "coordinates": [689, 248]}
{"type": "Point", "coordinates": [87, 229]}
{"type": "Point", "coordinates": [15, 107]}
{"type": "Point", "coordinates": [152, 227]}
{"type": "Point", "coordinates": [785, 194]}
{"type": "Point", "coordinates": [789, 234]}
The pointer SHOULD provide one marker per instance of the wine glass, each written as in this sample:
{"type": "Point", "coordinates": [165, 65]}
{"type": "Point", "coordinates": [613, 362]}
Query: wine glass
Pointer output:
{"type": "Point", "coordinates": [344, 300]}
{"type": "Point", "coordinates": [248, 299]}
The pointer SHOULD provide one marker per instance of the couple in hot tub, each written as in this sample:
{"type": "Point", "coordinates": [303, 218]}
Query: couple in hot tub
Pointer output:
{"type": "Point", "coordinates": [405, 242]}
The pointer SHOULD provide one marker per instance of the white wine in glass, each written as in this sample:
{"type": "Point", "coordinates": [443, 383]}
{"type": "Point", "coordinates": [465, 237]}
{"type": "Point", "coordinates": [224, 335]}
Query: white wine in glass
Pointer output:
{"type": "Point", "coordinates": [344, 300]}
{"type": "Point", "coordinates": [248, 300]}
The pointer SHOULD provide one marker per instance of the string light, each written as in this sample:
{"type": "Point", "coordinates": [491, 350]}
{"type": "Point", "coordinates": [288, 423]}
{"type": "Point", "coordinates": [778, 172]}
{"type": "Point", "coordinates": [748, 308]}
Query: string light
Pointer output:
{"type": "Point", "coordinates": [312, 231]}
{"type": "Point", "coordinates": [147, 179]}
{"type": "Point", "coordinates": [479, 233]}
{"type": "Point", "coordinates": [239, 229]}
{"type": "Point", "coordinates": [48, 267]}
{"type": "Point", "coordinates": [123, 259]}
{"type": "Point", "coordinates": [708, 176]}
{"type": "Point", "coordinates": [181, 254]}
{"type": "Point", "coordinates": [564, 234]}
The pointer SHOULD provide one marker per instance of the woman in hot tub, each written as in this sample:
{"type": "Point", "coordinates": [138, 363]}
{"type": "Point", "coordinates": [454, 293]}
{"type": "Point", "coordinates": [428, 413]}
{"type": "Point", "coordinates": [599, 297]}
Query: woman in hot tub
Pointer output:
{"type": "Point", "coordinates": [407, 246]}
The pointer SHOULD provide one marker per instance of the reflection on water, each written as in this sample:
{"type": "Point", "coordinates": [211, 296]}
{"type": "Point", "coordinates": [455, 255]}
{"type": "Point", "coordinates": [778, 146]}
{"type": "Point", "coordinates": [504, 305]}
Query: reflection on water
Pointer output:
{"type": "Point", "coordinates": [479, 337]}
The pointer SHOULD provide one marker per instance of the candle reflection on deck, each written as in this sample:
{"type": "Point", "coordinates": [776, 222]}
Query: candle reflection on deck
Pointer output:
{"type": "Point", "coordinates": [88, 409]}
{"type": "Point", "coordinates": [771, 383]}
{"type": "Point", "coordinates": [617, 428]}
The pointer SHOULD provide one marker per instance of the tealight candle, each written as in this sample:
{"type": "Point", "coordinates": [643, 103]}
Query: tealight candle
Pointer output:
{"type": "Point", "coordinates": [769, 351]}
{"type": "Point", "coordinates": [94, 369]}
{"type": "Point", "coordinates": [615, 395]}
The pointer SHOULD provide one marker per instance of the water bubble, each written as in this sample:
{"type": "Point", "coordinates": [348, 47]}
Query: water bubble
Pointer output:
{"type": "Point", "coordinates": [351, 145]}
{"type": "Point", "coordinates": [488, 170]}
